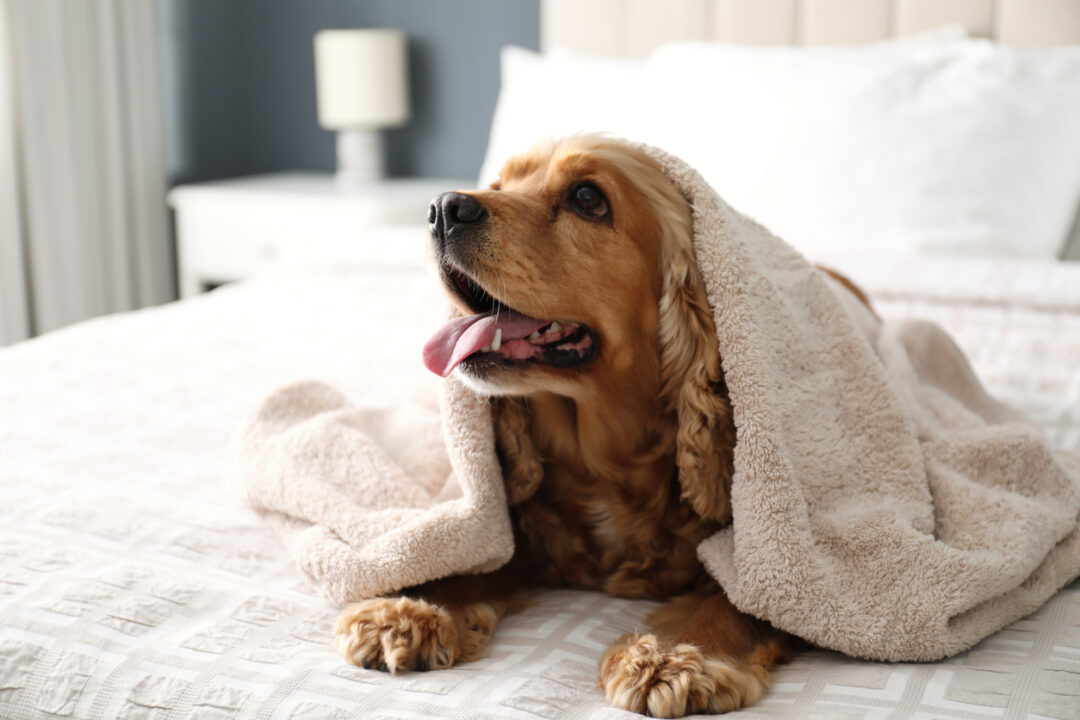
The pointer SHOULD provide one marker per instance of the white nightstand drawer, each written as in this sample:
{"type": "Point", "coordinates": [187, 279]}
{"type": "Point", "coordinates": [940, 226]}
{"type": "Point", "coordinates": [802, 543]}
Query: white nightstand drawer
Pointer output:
{"type": "Point", "coordinates": [228, 230]}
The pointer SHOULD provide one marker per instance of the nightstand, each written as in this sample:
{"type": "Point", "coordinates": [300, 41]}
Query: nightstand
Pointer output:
{"type": "Point", "coordinates": [229, 229]}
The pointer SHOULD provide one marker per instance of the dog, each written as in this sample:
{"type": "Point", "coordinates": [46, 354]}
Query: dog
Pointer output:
{"type": "Point", "coordinates": [584, 317]}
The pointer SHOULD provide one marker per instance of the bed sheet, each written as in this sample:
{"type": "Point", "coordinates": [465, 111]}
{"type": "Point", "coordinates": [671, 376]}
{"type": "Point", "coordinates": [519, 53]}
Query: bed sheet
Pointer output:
{"type": "Point", "coordinates": [133, 586]}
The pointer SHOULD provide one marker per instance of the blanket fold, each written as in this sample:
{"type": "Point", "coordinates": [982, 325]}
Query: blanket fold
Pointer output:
{"type": "Point", "coordinates": [371, 500]}
{"type": "Point", "coordinates": [884, 505]}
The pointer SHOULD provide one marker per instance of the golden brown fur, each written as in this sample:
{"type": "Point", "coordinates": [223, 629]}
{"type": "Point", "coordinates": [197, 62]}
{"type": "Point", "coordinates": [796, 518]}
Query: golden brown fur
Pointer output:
{"type": "Point", "coordinates": [615, 471]}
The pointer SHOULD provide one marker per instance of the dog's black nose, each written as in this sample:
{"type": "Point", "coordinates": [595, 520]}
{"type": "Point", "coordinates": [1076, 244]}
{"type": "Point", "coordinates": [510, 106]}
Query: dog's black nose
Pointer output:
{"type": "Point", "coordinates": [452, 209]}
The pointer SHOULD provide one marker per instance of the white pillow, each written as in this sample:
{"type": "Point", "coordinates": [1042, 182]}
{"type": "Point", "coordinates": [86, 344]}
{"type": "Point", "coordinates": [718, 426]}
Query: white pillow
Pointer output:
{"type": "Point", "coordinates": [937, 142]}
{"type": "Point", "coordinates": [559, 94]}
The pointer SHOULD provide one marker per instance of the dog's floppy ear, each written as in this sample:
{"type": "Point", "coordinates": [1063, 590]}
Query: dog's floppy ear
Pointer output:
{"type": "Point", "coordinates": [692, 377]}
{"type": "Point", "coordinates": [522, 468]}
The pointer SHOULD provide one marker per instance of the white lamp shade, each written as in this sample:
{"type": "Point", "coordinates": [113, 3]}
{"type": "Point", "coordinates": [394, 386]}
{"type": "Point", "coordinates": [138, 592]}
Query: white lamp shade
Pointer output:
{"type": "Point", "coordinates": [361, 78]}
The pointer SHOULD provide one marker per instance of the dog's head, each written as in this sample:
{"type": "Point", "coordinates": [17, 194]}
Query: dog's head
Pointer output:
{"type": "Point", "coordinates": [575, 275]}
{"type": "Point", "coordinates": [575, 267]}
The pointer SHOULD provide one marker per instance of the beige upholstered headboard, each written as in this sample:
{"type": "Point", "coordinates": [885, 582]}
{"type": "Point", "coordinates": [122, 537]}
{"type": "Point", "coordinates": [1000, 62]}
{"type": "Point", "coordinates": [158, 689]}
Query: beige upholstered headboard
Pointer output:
{"type": "Point", "coordinates": [635, 27]}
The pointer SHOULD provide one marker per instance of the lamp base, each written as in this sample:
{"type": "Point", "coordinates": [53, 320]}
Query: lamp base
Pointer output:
{"type": "Point", "coordinates": [360, 156]}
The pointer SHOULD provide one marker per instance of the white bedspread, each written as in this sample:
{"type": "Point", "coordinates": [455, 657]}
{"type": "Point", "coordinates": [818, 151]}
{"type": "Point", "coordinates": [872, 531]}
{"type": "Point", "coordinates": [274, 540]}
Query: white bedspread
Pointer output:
{"type": "Point", "coordinates": [133, 586]}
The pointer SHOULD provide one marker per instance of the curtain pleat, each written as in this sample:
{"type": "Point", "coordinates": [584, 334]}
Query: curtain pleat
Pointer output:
{"type": "Point", "coordinates": [91, 144]}
{"type": "Point", "coordinates": [14, 289]}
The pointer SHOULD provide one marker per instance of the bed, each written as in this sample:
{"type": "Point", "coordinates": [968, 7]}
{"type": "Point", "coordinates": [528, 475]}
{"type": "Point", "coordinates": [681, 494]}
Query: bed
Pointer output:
{"type": "Point", "coordinates": [133, 585]}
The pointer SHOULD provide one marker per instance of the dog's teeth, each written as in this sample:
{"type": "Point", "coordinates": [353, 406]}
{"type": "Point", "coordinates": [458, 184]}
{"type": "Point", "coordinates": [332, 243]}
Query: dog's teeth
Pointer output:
{"type": "Point", "coordinates": [555, 327]}
{"type": "Point", "coordinates": [497, 342]}
{"type": "Point", "coordinates": [535, 335]}
{"type": "Point", "coordinates": [485, 349]}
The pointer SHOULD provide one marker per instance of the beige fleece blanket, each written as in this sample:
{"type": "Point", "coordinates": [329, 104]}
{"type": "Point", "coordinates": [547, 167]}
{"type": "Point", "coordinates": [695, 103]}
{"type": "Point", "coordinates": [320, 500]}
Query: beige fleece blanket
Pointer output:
{"type": "Point", "coordinates": [883, 504]}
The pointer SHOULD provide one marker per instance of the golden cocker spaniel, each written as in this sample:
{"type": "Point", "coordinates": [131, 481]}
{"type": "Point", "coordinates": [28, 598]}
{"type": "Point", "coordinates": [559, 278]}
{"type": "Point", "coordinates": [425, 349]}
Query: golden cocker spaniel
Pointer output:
{"type": "Point", "coordinates": [584, 317]}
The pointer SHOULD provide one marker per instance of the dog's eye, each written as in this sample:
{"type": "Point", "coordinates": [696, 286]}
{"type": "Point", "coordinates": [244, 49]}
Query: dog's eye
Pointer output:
{"type": "Point", "coordinates": [588, 200]}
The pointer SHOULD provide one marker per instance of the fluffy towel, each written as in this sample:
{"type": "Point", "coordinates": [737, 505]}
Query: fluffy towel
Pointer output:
{"type": "Point", "coordinates": [884, 505]}
{"type": "Point", "coordinates": [371, 500]}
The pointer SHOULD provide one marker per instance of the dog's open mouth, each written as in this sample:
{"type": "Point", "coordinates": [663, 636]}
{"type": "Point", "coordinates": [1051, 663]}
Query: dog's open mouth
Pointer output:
{"type": "Point", "coordinates": [499, 335]}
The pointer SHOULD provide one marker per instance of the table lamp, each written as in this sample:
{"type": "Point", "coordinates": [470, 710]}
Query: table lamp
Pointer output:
{"type": "Point", "coordinates": [362, 85]}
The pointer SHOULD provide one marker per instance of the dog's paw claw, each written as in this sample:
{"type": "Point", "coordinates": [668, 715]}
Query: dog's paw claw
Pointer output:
{"type": "Point", "coordinates": [640, 675]}
{"type": "Point", "coordinates": [396, 635]}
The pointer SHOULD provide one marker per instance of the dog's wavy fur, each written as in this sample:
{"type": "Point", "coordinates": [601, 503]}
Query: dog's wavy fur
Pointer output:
{"type": "Point", "coordinates": [614, 472]}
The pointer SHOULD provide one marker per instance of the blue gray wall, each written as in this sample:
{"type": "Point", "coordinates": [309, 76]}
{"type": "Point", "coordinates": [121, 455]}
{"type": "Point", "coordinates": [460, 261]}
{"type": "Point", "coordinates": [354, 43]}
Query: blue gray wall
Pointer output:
{"type": "Point", "coordinates": [239, 81]}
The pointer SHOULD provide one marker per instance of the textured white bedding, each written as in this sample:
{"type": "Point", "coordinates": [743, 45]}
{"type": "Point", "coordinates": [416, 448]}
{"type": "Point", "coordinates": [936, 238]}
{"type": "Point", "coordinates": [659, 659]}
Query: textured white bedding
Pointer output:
{"type": "Point", "coordinates": [133, 586]}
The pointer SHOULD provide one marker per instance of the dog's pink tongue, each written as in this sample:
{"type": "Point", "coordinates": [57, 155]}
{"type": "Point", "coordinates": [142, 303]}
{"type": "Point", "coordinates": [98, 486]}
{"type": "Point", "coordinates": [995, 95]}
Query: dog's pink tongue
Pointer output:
{"type": "Point", "coordinates": [460, 338]}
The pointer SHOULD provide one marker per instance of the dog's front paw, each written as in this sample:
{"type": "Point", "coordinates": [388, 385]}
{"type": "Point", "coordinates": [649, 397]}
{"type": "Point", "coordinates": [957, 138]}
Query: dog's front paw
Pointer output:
{"type": "Point", "coordinates": [641, 675]}
{"type": "Point", "coordinates": [397, 635]}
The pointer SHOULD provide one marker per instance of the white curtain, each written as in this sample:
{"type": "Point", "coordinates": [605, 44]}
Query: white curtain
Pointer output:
{"type": "Point", "coordinates": [83, 224]}
{"type": "Point", "coordinates": [14, 311]}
